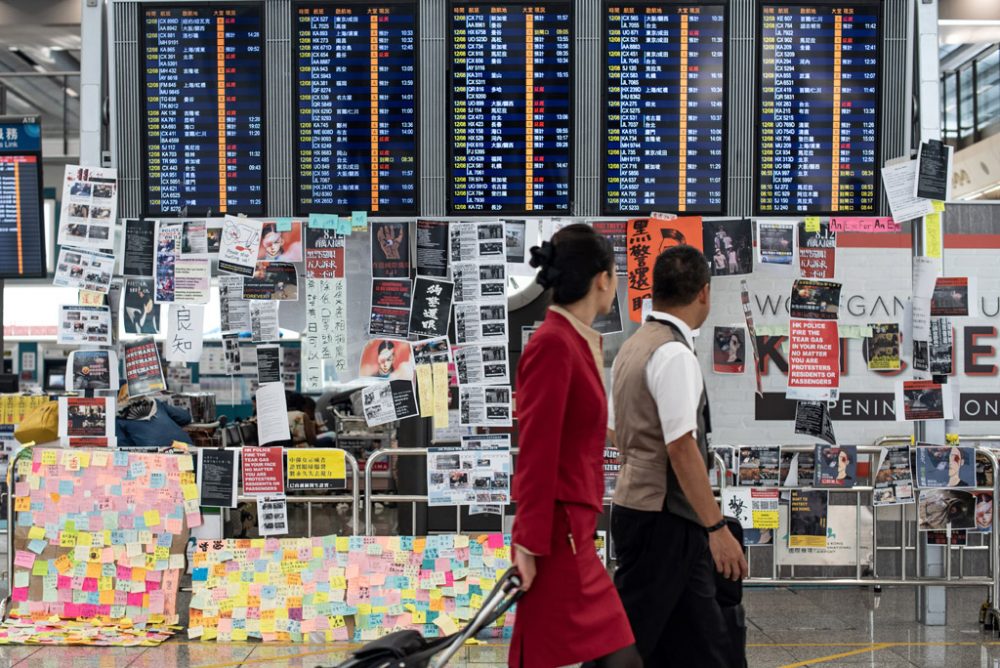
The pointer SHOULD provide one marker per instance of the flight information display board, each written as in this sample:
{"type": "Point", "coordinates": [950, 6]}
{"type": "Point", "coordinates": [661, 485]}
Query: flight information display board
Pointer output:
{"type": "Point", "coordinates": [22, 220]}
{"type": "Point", "coordinates": [510, 118]}
{"type": "Point", "coordinates": [204, 109]}
{"type": "Point", "coordinates": [818, 109]}
{"type": "Point", "coordinates": [664, 69]}
{"type": "Point", "coordinates": [356, 108]}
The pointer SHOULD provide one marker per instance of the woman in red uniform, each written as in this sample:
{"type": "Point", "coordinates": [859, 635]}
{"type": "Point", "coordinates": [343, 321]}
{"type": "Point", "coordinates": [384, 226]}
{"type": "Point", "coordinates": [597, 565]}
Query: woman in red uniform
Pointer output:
{"type": "Point", "coordinates": [570, 612]}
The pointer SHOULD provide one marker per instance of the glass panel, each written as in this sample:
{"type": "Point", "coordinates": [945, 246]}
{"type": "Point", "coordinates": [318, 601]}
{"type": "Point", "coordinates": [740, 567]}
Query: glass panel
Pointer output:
{"type": "Point", "coordinates": [988, 93]}
{"type": "Point", "coordinates": [949, 107]}
{"type": "Point", "coordinates": [966, 118]}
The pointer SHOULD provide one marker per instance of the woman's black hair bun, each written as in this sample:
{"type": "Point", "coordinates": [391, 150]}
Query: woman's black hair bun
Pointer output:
{"type": "Point", "coordinates": [543, 259]}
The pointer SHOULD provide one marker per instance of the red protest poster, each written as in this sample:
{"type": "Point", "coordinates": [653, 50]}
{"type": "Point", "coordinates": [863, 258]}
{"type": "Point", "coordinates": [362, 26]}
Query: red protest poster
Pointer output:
{"type": "Point", "coordinates": [813, 360]}
{"type": "Point", "coordinates": [646, 239]}
{"type": "Point", "coordinates": [263, 470]}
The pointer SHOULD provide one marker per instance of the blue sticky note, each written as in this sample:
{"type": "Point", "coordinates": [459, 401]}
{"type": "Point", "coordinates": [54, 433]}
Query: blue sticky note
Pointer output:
{"type": "Point", "coordinates": [359, 220]}
{"type": "Point", "coordinates": [199, 575]}
{"type": "Point", "coordinates": [121, 458]}
{"type": "Point", "coordinates": [343, 226]}
{"type": "Point", "coordinates": [37, 545]}
{"type": "Point", "coordinates": [66, 488]}
{"type": "Point", "coordinates": [322, 221]}
{"type": "Point", "coordinates": [284, 224]}
{"type": "Point", "coordinates": [157, 480]}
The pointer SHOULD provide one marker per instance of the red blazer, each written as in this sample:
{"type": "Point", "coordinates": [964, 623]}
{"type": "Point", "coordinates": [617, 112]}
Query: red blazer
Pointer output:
{"type": "Point", "coordinates": [562, 413]}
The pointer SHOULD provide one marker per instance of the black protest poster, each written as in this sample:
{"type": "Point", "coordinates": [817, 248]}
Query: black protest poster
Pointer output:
{"type": "Point", "coordinates": [268, 364]}
{"type": "Point", "coordinates": [138, 259]}
{"type": "Point", "coordinates": [611, 323]}
{"type": "Point", "coordinates": [432, 248]}
{"type": "Point", "coordinates": [933, 170]}
{"type": "Point", "coordinates": [812, 418]}
{"type": "Point", "coordinates": [404, 399]}
{"type": "Point", "coordinates": [217, 478]}
{"type": "Point", "coordinates": [807, 519]}
{"type": "Point", "coordinates": [431, 310]}
{"type": "Point", "coordinates": [390, 250]}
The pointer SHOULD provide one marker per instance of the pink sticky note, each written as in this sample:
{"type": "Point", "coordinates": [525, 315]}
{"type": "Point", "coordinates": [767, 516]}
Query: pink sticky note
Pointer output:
{"type": "Point", "coordinates": [494, 541]}
{"type": "Point", "coordinates": [24, 559]}
{"type": "Point", "coordinates": [19, 594]}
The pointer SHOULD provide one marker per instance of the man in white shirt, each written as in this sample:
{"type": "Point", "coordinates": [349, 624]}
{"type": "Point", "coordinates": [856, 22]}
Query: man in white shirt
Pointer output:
{"type": "Point", "coordinates": [666, 526]}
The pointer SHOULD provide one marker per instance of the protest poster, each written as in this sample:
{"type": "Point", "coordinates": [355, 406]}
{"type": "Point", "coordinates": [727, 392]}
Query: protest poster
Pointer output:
{"type": "Point", "coordinates": [751, 329]}
{"type": "Point", "coordinates": [89, 207]}
{"type": "Point", "coordinates": [610, 322]}
{"type": "Point", "coordinates": [933, 181]}
{"type": "Point", "coordinates": [268, 364]}
{"type": "Point", "coordinates": [984, 511]}
{"type": "Point", "coordinates": [92, 370]}
{"type": "Point", "coordinates": [775, 242]}
{"type": "Point", "coordinates": [515, 240]}
{"type": "Point", "coordinates": [138, 252]}
{"type": "Point", "coordinates": [883, 347]}
{"type": "Point", "coordinates": [952, 296]}
{"type": "Point", "coordinates": [217, 477]}
{"type": "Point", "coordinates": [958, 537]}
{"type": "Point", "coordinates": [817, 250]}
{"type": "Point", "coordinates": [192, 279]}
{"type": "Point", "coordinates": [231, 354]}
{"type": "Point", "coordinates": [866, 224]}
{"type": "Point", "coordinates": [234, 311]}
{"type": "Point", "coordinates": [185, 333]}
{"type": "Point", "coordinates": [812, 418]}
{"type": "Point", "coordinates": [272, 515]}
{"type": "Point", "coordinates": [388, 402]}
{"type": "Point", "coordinates": [482, 365]}
{"type": "Point", "coordinates": [325, 336]}
{"type": "Point", "coordinates": [923, 400]}
{"type": "Point", "coordinates": [616, 232]}
{"type": "Point", "coordinates": [430, 312]}
{"type": "Point", "coordinates": [945, 508]}
{"type": "Point", "coordinates": [759, 466]}
{"type": "Point", "coordinates": [84, 270]}
{"type": "Point", "coordinates": [390, 314]}
{"type": "Point", "coordinates": [941, 347]}
{"type": "Point", "coordinates": [475, 241]}
{"type": "Point", "coordinates": [312, 470]}
{"type": "Point", "coordinates": [87, 421]}
{"type": "Point", "coordinates": [798, 469]}
{"type": "Point", "coordinates": [754, 508]}
{"type": "Point", "coordinates": [900, 181]}
{"type": "Point", "coordinates": [728, 246]}
{"type": "Point", "coordinates": [477, 472]}
{"type": "Point", "coordinates": [264, 320]}
{"type": "Point", "coordinates": [815, 299]}
{"type": "Point", "coordinates": [729, 350]}
{"type": "Point", "coordinates": [390, 247]}
{"type": "Point", "coordinates": [263, 470]}
{"type": "Point", "coordinates": [841, 545]}
{"type": "Point", "coordinates": [325, 253]}
{"type": "Point", "coordinates": [484, 405]}
{"type": "Point", "coordinates": [813, 360]}
{"type": "Point", "coordinates": [84, 325]}
{"type": "Point", "coordinates": [836, 465]}
{"type": "Point", "coordinates": [168, 249]}
{"type": "Point", "coordinates": [143, 370]}
{"type": "Point", "coordinates": [646, 239]}
{"type": "Point", "coordinates": [945, 466]}
{"type": "Point", "coordinates": [479, 281]}
{"type": "Point", "coordinates": [272, 280]}
{"type": "Point", "coordinates": [240, 245]}
{"type": "Point", "coordinates": [432, 248]}
{"type": "Point", "coordinates": [433, 351]}
{"type": "Point", "coordinates": [386, 359]}
{"type": "Point", "coordinates": [480, 323]}
{"type": "Point", "coordinates": [894, 477]}
{"type": "Point", "coordinates": [280, 243]}
{"type": "Point", "coordinates": [807, 518]}
{"type": "Point", "coordinates": [141, 312]}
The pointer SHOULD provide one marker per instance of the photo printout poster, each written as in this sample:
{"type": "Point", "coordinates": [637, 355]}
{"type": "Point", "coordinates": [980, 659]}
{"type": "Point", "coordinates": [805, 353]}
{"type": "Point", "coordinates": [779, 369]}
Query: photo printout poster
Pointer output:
{"type": "Point", "coordinates": [484, 405]}
{"type": "Point", "coordinates": [272, 280]}
{"type": "Point", "coordinates": [482, 365]}
{"type": "Point", "coordinates": [481, 323]}
{"type": "Point", "coordinates": [812, 418]}
{"type": "Point", "coordinates": [386, 359]}
{"type": "Point", "coordinates": [280, 243]}
{"type": "Point", "coordinates": [432, 248]}
{"type": "Point", "coordinates": [474, 241]}
{"type": "Point", "coordinates": [836, 465]}
{"type": "Point", "coordinates": [87, 421]}
{"type": "Point", "coordinates": [143, 369]}
{"type": "Point", "coordinates": [168, 250]}
{"type": "Point", "coordinates": [759, 465]}
{"type": "Point", "coordinates": [646, 239]}
{"type": "Point", "coordinates": [84, 270]}
{"type": "Point", "coordinates": [388, 402]}
{"type": "Point", "coordinates": [728, 246]}
{"type": "Point", "coordinates": [479, 281]}
{"type": "Point", "coordinates": [185, 333]}
{"type": "Point", "coordinates": [729, 350]}
{"type": "Point", "coordinates": [808, 518]}
{"type": "Point", "coordinates": [941, 347]}
{"type": "Point", "coordinates": [92, 370]}
{"type": "Point", "coordinates": [611, 322]}
{"type": "Point", "coordinates": [89, 207]}
{"type": "Point", "coordinates": [923, 400]}
{"type": "Point", "coordinates": [940, 508]}
{"type": "Point", "coordinates": [234, 311]}
{"type": "Point", "coordinates": [883, 347]}
{"type": "Point", "coordinates": [814, 299]}
{"type": "Point", "coordinates": [390, 243]}
{"type": "Point", "coordinates": [477, 472]}
{"type": "Point", "coordinates": [775, 242]}
{"type": "Point", "coordinates": [817, 251]}
{"type": "Point", "coordinates": [798, 469]}
{"type": "Point", "coordinates": [894, 479]}
{"type": "Point", "coordinates": [264, 320]}
{"type": "Point", "coordinates": [141, 312]}
{"type": "Point", "coordinates": [272, 515]}
{"type": "Point", "coordinates": [263, 470]}
{"type": "Point", "coordinates": [84, 325]}
{"type": "Point", "coordinates": [138, 256]}
{"type": "Point", "coordinates": [813, 360]}
{"type": "Point", "coordinates": [324, 253]}
{"type": "Point", "coordinates": [240, 245]}
{"type": "Point", "coordinates": [945, 466]}
{"type": "Point", "coordinates": [516, 235]}
{"type": "Point", "coordinates": [430, 313]}
{"type": "Point", "coordinates": [952, 296]}
{"type": "Point", "coordinates": [616, 232]}
{"type": "Point", "coordinates": [217, 477]}
{"type": "Point", "coordinates": [390, 315]}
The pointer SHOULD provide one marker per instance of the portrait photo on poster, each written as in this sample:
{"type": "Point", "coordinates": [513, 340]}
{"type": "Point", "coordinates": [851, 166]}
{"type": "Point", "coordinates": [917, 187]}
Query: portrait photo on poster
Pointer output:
{"type": "Point", "coordinates": [728, 245]}
{"type": "Point", "coordinates": [775, 242]}
{"type": "Point", "coordinates": [386, 359]}
{"type": "Point", "coordinates": [729, 350]}
{"type": "Point", "coordinates": [894, 478]}
{"type": "Point", "coordinates": [280, 246]}
{"type": "Point", "coordinates": [813, 299]}
{"type": "Point", "coordinates": [836, 465]}
{"type": "Point", "coordinates": [945, 466]}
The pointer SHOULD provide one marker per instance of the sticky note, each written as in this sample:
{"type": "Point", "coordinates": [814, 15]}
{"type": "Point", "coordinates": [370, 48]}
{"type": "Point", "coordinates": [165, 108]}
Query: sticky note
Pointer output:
{"type": "Point", "coordinates": [22, 504]}
{"type": "Point", "coordinates": [938, 205]}
{"type": "Point", "coordinates": [24, 559]}
{"type": "Point", "coordinates": [359, 221]}
{"type": "Point", "coordinates": [932, 235]}
{"type": "Point", "coordinates": [37, 546]}
{"type": "Point", "coordinates": [322, 221]}
{"type": "Point", "coordinates": [283, 224]}
{"type": "Point", "coordinates": [35, 533]}
{"type": "Point", "coordinates": [152, 518]}
{"type": "Point", "coordinates": [812, 223]}
{"type": "Point", "coordinates": [49, 458]}
{"type": "Point", "coordinates": [40, 567]}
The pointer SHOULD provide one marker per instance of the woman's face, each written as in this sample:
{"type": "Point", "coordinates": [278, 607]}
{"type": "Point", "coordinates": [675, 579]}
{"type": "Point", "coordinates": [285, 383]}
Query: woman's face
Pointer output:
{"type": "Point", "coordinates": [955, 465]}
{"type": "Point", "coordinates": [273, 244]}
{"type": "Point", "coordinates": [843, 461]}
{"type": "Point", "coordinates": [386, 360]}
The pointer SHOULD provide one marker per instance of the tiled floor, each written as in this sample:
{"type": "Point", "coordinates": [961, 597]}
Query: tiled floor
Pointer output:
{"type": "Point", "coordinates": [787, 628]}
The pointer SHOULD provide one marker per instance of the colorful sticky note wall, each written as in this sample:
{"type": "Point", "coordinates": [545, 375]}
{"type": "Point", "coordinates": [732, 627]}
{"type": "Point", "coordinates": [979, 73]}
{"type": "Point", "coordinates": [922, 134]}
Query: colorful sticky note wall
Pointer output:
{"type": "Point", "coordinates": [100, 533]}
{"type": "Point", "coordinates": [337, 588]}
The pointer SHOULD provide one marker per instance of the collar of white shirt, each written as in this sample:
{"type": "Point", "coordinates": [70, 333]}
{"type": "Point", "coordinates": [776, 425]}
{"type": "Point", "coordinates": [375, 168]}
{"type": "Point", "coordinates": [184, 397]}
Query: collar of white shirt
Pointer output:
{"type": "Point", "coordinates": [680, 324]}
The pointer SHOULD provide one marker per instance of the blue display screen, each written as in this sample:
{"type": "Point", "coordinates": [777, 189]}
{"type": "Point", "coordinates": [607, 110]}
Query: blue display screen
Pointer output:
{"type": "Point", "coordinates": [203, 94]}
{"type": "Point", "coordinates": [22, 235]}
{"type": "Point", "coordinates": [356, 107]}
{"type": "Point", "coordinates": [818, 109]}
{"type": "Point", "coordinates": [510, 113]}
{"type": "Point", "coordinates": [665, 108]}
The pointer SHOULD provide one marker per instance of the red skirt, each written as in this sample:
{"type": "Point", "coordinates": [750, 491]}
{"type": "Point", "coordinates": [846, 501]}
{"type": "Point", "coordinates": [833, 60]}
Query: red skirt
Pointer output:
{"type": "Point", "coordinates": [572, 613]}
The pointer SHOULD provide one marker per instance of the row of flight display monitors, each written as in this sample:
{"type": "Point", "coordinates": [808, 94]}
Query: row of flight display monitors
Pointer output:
{"type": "Point", "coordinates": [510, 122]}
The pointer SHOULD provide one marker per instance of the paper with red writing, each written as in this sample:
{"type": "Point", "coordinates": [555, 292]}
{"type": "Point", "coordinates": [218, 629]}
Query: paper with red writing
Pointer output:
{"type": "Point", "coordinates": [813, 360]}
{"type": "Point", "coordinates": [865, 224]}
{"type": "Point", "coordinates": [263, 470]}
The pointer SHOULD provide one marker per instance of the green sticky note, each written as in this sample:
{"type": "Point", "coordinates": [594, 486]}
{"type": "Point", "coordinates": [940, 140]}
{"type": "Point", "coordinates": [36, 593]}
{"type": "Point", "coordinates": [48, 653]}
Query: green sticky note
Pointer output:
{"type": "Point", "coordinates": [359, 220]}
{"type": "Point", "coordinates": [40, 567]}
{"type": "Point", "coordinates": [344, 226]}
{"type": "Point", "coordinates": [284, 224]}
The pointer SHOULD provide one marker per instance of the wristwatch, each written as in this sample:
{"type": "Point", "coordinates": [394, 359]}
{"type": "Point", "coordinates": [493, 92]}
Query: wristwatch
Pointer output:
{"type": "Point", "coordinates": [715, 527]}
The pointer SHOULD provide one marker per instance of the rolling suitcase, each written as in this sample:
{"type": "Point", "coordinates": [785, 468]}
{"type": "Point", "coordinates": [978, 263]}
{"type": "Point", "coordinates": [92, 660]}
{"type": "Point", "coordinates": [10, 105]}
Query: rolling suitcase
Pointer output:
{"type": "Point", "coordinates": [729, 594]}
{"type": "Point", "coordinates": [408, 649]}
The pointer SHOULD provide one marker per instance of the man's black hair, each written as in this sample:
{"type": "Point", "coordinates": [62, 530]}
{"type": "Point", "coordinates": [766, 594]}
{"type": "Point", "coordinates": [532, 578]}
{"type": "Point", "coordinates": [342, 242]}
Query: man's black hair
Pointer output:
{"type": "Point", "coordinates": [679, 275]}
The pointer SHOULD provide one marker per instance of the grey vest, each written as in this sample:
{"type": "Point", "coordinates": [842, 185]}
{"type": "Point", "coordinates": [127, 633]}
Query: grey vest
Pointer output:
{"type": "Point", "coordinates": [646, 481]}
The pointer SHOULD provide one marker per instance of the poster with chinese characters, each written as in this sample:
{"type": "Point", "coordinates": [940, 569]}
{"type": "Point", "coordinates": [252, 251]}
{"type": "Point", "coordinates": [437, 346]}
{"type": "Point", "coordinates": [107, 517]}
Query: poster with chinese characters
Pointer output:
{"type": "Point", "coordinates": [430, 311]}
{"type": "Point", "coordinates": [185, 333]}
{"type": "Point", "coordinates": [325, 336]}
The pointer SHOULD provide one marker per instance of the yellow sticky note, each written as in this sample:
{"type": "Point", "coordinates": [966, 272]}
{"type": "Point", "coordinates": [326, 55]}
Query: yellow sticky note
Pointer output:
{"type": "Point", "coordinates": [938, 205]}
{"type": "Point", "coordinates": [64, 564]}
{"type": "Point", "coordinates": [99, 459]}
{"type": "Point", "coordinates": [36, 533]}
{"type": "Point", "coordinates": [152, 518]}
{"type": "Point", "coordinates": [932, 235]}
{"type": "Point", "coordinates": [185, 463]}
{"type": "Point", "coordinates": [49, 457]}
{"type": "Point", "coordinates": [425, 390]}
{"type": "Point", "coordinates": [812, 223]}
{"type": "Point", "coordinates": [22, 503]}
{"type": "Point", "coordinates": [446, 624]}
{"type": "Point", "coordinates": [440, 371]}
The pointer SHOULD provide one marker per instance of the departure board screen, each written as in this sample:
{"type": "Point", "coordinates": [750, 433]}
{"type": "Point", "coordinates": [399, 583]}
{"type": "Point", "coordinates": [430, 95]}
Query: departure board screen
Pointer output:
{"type": "Point", "coordinates": [356, 107]}
{"type": "Point", "coordinates": [818, 109]}
{"type": "Point", "coordinates": [664, 68]}
{"type": "Point", "coordinates": [204, 109]}
{"type": "Point", "coordinates": [22, 221]}
{"type": "Point", "coordinates": [510, 124]}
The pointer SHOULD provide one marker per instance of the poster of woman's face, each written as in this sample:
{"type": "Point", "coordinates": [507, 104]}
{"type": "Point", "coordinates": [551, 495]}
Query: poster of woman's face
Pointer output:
{"type": "Point", "coordinates": [387, 359]}
{"type": "Point", "coordinates": [729, 350]}
{"type": "Point", "coordinates": [283, 246]}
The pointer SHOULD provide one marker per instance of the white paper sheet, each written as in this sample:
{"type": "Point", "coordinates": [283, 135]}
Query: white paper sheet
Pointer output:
{"type": "Point", "coordinates": [272, 414]}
